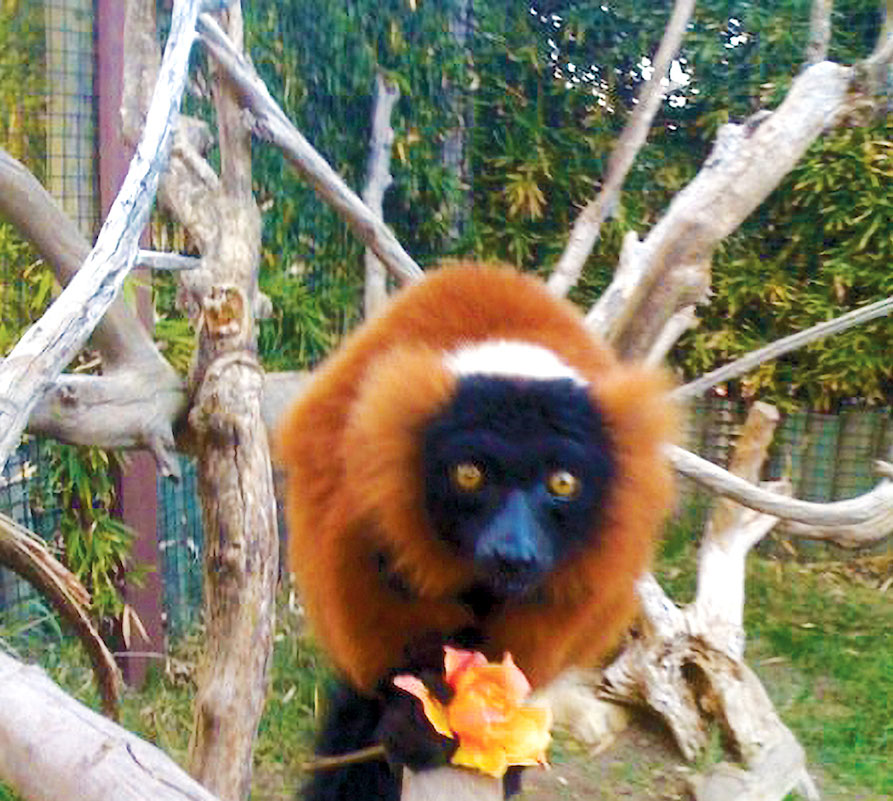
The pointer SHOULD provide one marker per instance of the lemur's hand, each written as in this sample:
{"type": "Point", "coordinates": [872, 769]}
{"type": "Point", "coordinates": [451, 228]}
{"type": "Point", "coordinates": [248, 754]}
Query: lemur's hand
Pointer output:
{"type": "Point", "coordinates": [407, 735]}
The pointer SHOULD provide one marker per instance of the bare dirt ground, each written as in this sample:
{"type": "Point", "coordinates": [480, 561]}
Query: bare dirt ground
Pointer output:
{"type": "Point", "coordinates": [642, 763]}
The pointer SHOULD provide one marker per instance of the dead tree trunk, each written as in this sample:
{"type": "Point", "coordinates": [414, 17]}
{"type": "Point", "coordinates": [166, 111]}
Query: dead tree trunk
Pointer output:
{"type": "Point", "coordinates": [226, 426]}
{"type": "Point", "coordinates": [688, 666]}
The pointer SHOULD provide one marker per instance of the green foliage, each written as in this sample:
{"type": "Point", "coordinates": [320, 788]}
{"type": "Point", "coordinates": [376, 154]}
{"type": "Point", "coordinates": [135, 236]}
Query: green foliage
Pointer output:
{"type": "Point", "coordinates": [26, 285]}
{"type": "Point", "coordinates": [541, 140]}
{"type": "Point", "coordinates": [95, 544]}
{"type": "Point", "coordinates": [552, 86]}
{"type": "Point", "coordinates": [22, 87]}
{"type": "Point", "coordinates": [7, 795]}
{"type": "Point", "coordinates": [311, 265]}
{"type": "Point", "coordinates": [819, 247]}
{"type": "Point", "coordinates": [556, 88]}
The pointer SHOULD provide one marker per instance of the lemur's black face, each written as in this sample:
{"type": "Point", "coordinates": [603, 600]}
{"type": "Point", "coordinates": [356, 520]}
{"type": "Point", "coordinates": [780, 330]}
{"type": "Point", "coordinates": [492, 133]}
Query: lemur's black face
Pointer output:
{"type": "Point", "coordinates": [515, 474]}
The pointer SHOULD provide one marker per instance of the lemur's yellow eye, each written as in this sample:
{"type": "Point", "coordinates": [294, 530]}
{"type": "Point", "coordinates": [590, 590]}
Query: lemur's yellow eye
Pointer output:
{"type": "Point", "coordinates": [467, 476]}
{"type": "Point", "coordinates": [563, 484]}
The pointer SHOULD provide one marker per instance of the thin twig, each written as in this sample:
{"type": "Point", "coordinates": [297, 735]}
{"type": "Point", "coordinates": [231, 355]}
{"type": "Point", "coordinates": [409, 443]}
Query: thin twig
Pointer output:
{"type": "Point", "coordinates": [272, 124]}
{"type": "Point", "coordinates": [367, 754]}
{"type": "Point", "coordinates": [585, 231]}
{"type": "Point", "coordinates": [782, 346]}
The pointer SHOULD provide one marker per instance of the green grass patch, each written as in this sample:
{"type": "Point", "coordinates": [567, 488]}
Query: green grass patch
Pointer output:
{"type": "Point", "coordinates": [823, 646]}
{"type": "Point", "coordinates": [837, 696]}
{"type": "Point", "coordinates": [161, 712]}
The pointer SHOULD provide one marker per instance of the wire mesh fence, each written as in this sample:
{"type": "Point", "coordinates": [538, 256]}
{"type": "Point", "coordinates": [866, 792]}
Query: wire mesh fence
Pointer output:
{"type": "Point", "coordinates": [70, 117]}
{"type": "Point", "coordinates": [180, 543]}
{"type": "Point", "coordinates": [26, 497]}
{"type": "Point", "coordinates": [826, 457]}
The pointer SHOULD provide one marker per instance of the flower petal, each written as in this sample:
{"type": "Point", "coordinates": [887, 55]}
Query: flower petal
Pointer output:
{"type": "Point", "coordinates": [456, 662]}
{"type": "Point", "coordinates": [491, 761]}
{"type": "Point", "coordinates": [517, 685]}
{"type": "Point", "coordinates": [434, 710]}
{"type": "Point", "coordinates": [525, 737]}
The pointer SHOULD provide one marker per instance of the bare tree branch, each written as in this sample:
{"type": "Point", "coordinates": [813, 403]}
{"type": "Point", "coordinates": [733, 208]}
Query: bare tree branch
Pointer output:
{"type": "Point", "coordinates": [670, 269]}
{"type": "Point", "coordinates": [687, 663]}
{"type": "Point", "coordinates": [120, 410]}
{"type": "Point", "coordinates": [855, 535]}
{"type": "Point", "coordinates": [585, 231]}
{"type": "Point", "coordinates": [225, 425]}
{"type": "Point", "coordinates": [153, 260]}
{"type": "Point", "coordinates": [731, 531]}
{"type": "Point", "coordinates": [27, 555]}
{"type": "Point", "coordinates": [781, 346]}
{"type": "Point", "coordinates": [129, 409]}
{"type": "Point", "coordinates": [39, 219]}
{"type": "Point", "coordinates": [53, 747]}
{"type": "Point", "coordinates": [870, 508]}
{"type": "Point", "coordinates": [272, 125]}
{"type": "Point", "coordinates": [883, 51]}
{"type": "Point", "coordinates": [819, 31]}
{"type": "Point", "coordinates": [674, 328]}
{"type": "Point", "coordinates": [47, 347]}
{"type": "Point", "coordinates": [378, 179]}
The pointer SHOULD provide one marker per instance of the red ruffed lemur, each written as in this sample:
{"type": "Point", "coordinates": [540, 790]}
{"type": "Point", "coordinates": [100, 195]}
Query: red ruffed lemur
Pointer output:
{"type": "Point", "coordinates": [471, 468]}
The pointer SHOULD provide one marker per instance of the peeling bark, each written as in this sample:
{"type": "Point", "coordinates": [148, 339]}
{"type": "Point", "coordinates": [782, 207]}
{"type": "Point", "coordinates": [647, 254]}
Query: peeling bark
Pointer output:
{"type": "Point", "coordinates": [241, 571]}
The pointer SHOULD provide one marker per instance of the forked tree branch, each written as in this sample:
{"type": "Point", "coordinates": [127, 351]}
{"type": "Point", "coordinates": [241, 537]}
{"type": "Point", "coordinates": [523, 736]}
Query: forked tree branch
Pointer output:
{"type": "Point", "coordinates": [587, 226]}
{"type": "Point", "coordinates": [271, 124]}
{"type": "Point", "coordinates": [670, 269]}
{"type": "Point", "coordinates": [686, 664]}
{"type": "Point", "coordinates": [48, 346]}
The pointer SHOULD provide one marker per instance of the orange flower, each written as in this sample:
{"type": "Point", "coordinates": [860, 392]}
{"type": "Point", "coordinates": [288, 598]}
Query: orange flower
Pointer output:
{"type": "Point", "coordinates": [486, 713]}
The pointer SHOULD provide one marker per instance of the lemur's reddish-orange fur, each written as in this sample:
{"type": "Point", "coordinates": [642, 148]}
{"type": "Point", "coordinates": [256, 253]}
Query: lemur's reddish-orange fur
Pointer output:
{"type": "Point", "coordinates": [351, 448]}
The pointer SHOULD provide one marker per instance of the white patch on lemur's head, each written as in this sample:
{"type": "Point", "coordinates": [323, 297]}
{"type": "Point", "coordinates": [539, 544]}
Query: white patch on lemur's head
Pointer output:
{"type": "Point", "coordinates": [506, 358]}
